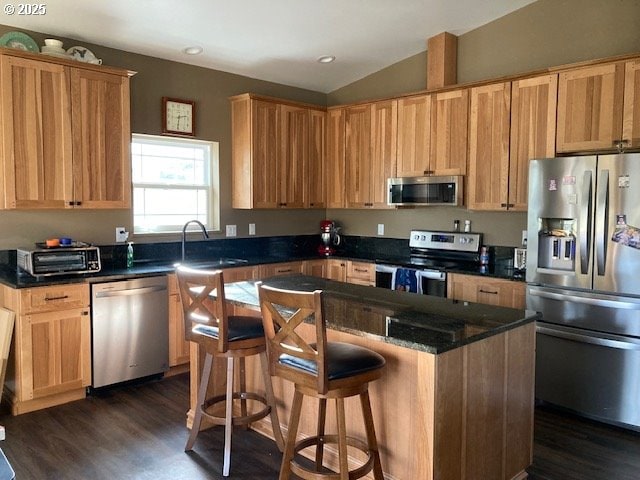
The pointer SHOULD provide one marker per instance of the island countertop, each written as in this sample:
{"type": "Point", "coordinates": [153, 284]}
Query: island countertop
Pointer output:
{"type": "Point", "coordinates": [420, 322]}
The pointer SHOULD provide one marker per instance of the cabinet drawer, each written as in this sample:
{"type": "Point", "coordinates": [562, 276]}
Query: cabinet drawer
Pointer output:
{"type": "Point", "coordinates": [281, 269]}
{"type": "Point", "coordinates": [364, 271]}
{"type": "Point", "coordinates": [54, 297]}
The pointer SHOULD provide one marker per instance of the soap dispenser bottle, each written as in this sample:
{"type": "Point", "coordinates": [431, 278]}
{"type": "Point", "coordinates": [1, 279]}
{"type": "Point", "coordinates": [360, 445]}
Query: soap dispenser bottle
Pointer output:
{"type": "Point", "coordinates": [130, 255]}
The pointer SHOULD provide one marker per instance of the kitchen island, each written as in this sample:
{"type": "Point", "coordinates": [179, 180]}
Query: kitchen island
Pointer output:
{"type": "Point", "coordinates": [456, 399]}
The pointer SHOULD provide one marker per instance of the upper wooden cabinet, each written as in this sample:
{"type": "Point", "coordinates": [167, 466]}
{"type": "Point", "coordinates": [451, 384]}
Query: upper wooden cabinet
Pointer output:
{"type": "Point", "coordinates": [277, 151]}
{"type": "Point", "coordinates": [590, 107]}
{"type": "Point", "coordinates": [370, 153]}
{"type": "Point", "coordinates": [449, 130]}
{"type": "Point", "coordinates": [414, 135]}
{"type": "Point", "coordinates": [509, 124]}
{"type": "Point", "coordinates": [66, 134]}
{"type": "Point", "coordinates": [335, 166]}
{"type": "Point", "coordinates": [631, 110]}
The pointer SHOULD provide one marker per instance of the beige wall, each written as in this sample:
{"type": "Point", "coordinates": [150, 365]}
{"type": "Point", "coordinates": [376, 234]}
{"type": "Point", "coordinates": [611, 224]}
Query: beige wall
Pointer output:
{"type": "Point", "coordinates": [157, 78]}
{"type": "Point", "coordinates": [542, 34]}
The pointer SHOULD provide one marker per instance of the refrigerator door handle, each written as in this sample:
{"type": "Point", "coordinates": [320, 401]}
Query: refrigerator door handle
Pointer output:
{"type": "Point", "coordinates": [585, 222]}
{"type": "Point", "coordinates": [591, 299]}
{"type": "Point", "coordinates": [602, 207]}
{"type": "Point", "coordinates": [582, 338]}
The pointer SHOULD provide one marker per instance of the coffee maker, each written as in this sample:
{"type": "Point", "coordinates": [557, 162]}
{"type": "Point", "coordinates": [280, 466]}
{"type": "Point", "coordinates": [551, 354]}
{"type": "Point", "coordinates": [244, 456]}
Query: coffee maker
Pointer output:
{"type": "Point", "coordinates": [329, 236]}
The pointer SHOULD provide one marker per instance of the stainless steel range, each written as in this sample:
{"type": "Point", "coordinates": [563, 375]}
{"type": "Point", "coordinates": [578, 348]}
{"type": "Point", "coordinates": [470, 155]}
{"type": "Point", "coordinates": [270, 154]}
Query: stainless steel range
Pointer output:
{"type": "Point", "coordinates": [432, 252]}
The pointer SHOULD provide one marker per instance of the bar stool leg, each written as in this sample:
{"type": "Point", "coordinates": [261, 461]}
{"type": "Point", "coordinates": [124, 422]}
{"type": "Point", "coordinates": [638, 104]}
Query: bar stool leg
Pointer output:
{"type": "Point", "coordinates": [271, 400]}
{"type": "Point", "coordinates": [342, 440]}
{"type": "Point", "coordinates": [243, 389]}
{"type": "Point", "coordinates": [296, 408]}
{"type": "Point", "coordinates": [228, 419]}
{"type": "Point", "coordinates": [322, 416]}
{"type": "Point", "coordinates": [202, 394]}
{"type": "Point", "coordinates": [371, 435]}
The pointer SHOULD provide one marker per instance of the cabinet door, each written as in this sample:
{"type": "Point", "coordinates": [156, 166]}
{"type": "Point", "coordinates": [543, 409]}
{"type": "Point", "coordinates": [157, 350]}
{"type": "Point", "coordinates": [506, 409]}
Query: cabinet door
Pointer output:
{"type": "Point", "coordinates": [238, 274]}
{"type": "Point", "coordinates": [414, 133]}
{"type": "Point", "coordinates": [631, 115]}
{"type": "Point", "coordinates": [294, 156]}
{"type": "Point", "coordinates": [489, 147]}
{"type": "Point", "coordinates": [265, 139]}
{"type": "Point", "coordinates": [101, 139]}
{"type": "Point", "coordinates": [56, 352]}
{"type": "Point", "coordinates": [315, 268]}
{"type": "Point", "coordinates": [533, 131]}
{"type": "Point", "coordinates": [384, 133]}
{"type": "Point", "coordinates": [36, 130]}
{"type": "Point", "coordinates": [449, 117]}
{"type": "Point", "coordinates": [358, 156]}
{"type": "Point", "coordinates": [316, 179]}
{"type": "Point", "coordinates": [490, 291]}
{"type": "Point", "coordinates": [178, 346]}
{"type": "Point", "coordinates": [362, 273]}
{"type": "Point", "coordinates": [336, 270]}
{"type": "Point", "coordinates": [590, 107]}
{"type": "Point", "coordinates": [335, 170]}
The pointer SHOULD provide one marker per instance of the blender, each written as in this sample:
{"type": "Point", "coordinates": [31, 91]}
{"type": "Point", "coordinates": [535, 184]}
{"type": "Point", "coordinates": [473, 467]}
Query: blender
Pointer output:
{"type": "Point", "coordinates": [329, 236]}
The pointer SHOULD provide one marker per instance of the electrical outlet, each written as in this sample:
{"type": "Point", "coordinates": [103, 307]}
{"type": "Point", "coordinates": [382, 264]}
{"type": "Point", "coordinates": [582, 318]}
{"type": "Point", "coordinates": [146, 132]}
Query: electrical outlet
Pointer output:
{"type": "Point", "coordinates": [381, 229]}
{"type": "Point", "coordinates": [121, 234]}
{"type": "Point", "coordinates": [252, 229]}
{"type": "Point", "coordinates": [231, 230]}
{"type": "Point", "coordinates": [524, 237]}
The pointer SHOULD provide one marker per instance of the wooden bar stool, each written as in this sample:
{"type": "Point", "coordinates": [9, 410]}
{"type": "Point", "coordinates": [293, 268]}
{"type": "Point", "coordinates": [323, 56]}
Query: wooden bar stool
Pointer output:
{"type": "Point", "coordinates": [220, 335]}
{"type": "Point", "coordinates": [320, 369]}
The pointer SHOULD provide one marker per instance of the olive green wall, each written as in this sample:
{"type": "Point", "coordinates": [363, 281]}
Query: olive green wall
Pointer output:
{"type": "Point", "coordinates": [157, 78]}
{"type": "Point", "coordinates": [542, 34]}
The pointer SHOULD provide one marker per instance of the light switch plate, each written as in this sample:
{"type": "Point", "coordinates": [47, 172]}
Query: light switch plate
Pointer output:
{"type": "Point", "coordinates": [381, 229]}
{"type": "Point", "coordinates": [121, 234]}
{"type": "Point", "coordinates": [252, 229]}
{"type": "Point", "coordinates": [231, 230]}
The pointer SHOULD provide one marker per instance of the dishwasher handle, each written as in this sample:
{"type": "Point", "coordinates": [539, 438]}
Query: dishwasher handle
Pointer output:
{"type": "Point", "coordinates": [130, 291]}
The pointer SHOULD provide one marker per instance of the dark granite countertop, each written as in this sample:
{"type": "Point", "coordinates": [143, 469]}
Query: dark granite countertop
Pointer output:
{"type": "Point", "coordinates": [420, 322]}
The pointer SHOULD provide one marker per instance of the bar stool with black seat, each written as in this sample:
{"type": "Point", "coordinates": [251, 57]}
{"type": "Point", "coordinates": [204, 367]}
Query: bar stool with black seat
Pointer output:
{"type": "Point", "coordinates": [320, 369]}
{"type": "Point", "coordinates": [231, 337]}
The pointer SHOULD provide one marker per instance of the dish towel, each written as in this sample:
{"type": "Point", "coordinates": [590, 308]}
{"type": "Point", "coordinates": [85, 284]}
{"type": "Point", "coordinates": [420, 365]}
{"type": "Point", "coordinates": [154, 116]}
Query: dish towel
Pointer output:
{"type": "Point", "coordinates": [406, 280]}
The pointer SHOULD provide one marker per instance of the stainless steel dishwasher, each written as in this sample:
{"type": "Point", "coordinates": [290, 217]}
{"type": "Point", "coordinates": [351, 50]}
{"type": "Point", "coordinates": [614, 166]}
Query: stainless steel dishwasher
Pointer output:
{"type": "Point", "coordinates": [130, 329]}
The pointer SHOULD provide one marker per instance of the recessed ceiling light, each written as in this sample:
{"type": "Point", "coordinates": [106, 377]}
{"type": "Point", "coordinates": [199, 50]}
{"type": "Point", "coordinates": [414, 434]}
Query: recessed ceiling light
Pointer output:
{"type": "Point", "coordinates": [193, 50]}
{"type": "Point", "coordinates": [326, 59]}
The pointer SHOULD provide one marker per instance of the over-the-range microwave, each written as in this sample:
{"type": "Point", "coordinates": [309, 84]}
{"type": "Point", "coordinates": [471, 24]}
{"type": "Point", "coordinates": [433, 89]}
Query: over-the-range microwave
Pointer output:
{"type": "Point", "coordinates": [59, 261]}
{"type": "Point", "coordinates": [425, 191]}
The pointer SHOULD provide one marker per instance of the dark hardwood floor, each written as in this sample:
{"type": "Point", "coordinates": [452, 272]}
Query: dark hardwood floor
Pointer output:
{"type": "Point", "coordinates": [138, 432]}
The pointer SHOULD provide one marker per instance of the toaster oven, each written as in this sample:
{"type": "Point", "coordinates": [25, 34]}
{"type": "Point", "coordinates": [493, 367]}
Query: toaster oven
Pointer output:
{"type": "Point", "coordinates": [59, 261]}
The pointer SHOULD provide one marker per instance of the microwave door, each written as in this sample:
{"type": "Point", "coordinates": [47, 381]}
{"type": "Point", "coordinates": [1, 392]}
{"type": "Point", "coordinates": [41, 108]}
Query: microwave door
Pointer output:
{"type": "Point", "coordinates": [617, 224]}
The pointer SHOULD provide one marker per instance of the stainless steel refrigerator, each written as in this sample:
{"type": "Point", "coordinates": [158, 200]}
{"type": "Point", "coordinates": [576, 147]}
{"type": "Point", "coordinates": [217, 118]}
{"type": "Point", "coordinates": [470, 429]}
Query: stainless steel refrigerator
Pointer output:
{"type": "Point", "coordinates": [583, 275]}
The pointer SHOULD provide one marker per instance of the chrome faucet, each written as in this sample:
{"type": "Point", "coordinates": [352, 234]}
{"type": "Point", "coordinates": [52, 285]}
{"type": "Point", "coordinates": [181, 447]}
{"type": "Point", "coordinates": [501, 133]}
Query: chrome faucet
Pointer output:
{"type": "Point", "coordinates": [184, 234]}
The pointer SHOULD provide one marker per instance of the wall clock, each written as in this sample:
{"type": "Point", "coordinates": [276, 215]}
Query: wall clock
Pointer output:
{"type": "Point", "coordinates": [178, 117]}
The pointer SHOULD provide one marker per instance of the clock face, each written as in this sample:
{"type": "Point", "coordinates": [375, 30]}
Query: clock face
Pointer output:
{"type": "Point", "coordinates": [178, 117]}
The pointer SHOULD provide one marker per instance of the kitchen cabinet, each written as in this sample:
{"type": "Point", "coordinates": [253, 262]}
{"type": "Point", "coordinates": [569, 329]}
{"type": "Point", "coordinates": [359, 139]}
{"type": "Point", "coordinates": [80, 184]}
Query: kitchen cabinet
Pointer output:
{"type": "Point", "coordinates": [277, 151]}
{"type": "Point", "coordinates": [50, 360]}
{"type": "Point", "coordinates": [414, 135]}
{"type": "Point", "coordinates": [315, 268]}
{"type": "Point", "coordinates": [335, 166]}
{"type": "Point", "coordinates": [491, 291]}
{"type": "Point", "coordinates": [336, 269]}
{"type": "Point", "coordinates": [449, 130]}
{"type": "Point", "coordinates": [361, 273]}
{"type": "Point", "coordinates": [590, 107]}
{"type": "Point", "coordinates": [631, 107]}
{"type": "Point", "coordinates": [284, 268]}
{"type": "Point", "coordinates": [66, 134]}
{"type": "Point", "coordinates": [509, 124]}
{"type": "Point", "coordinates": [370, 153]}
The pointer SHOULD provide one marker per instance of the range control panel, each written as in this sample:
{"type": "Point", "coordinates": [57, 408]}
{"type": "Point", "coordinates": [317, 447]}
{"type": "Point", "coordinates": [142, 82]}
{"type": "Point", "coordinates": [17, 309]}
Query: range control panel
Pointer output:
{"type": "Point", "coordinates": [452, 241]}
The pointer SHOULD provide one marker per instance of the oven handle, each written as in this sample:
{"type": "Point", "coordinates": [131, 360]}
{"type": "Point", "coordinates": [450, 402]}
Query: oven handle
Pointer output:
{"type": "Point", "coordinates": [386, 268]}
{"type": "Point", "coordinates": [432, 275]}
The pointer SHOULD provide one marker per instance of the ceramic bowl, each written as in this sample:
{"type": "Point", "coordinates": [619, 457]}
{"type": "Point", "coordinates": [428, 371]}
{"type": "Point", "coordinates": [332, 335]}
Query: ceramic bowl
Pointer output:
{"type": "Point", "coordinates": [53, 42]}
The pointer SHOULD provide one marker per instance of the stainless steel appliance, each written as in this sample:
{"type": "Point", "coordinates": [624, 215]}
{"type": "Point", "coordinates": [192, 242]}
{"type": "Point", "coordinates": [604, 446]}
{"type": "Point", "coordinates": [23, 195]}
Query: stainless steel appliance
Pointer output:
{"type": "Point", "coordinates": [130, 325]}
{"type": "Point", "coordinates": [582, 275]}
{"type": "Point", "coordinates": [59, 260]}
{"type": "Point", "coordinates": [432, 252]}
{"type": "Point", "coordinates": [425, 191]}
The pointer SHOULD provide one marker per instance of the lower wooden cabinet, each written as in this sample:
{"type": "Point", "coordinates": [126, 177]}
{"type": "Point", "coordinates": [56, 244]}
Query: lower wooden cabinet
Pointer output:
{"type": "Point", "coordinates": [285, 268]}
{"type": "Point", "coordinates": [336, 269]}
{"type": "Point", "coordinates": [50, 361]}
{"type": "Point", "coordinates": [490, 291]}
{"type": "Point", "coordinates": [361, 273]}
{"type": "Point", "coordinates": [315, 268]}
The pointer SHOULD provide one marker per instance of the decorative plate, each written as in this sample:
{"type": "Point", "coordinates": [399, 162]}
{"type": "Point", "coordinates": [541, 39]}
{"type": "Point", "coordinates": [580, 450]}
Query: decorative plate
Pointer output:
{"type": "Point", "coordinates": [20, 41]}
{"type": "Point", "coordinates": [82, 54]}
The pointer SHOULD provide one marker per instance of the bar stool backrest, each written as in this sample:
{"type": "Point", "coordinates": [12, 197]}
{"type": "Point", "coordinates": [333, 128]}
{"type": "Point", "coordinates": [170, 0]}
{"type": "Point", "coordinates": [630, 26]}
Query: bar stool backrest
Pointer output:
{"type": "Point", "coordinates": [203, 303]}
{"type": "Point", "coordinates": [283, 312]}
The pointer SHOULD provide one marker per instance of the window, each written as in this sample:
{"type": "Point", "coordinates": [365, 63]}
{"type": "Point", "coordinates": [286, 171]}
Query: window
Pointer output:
{"type": "Point", "coordinates": [174, 180]}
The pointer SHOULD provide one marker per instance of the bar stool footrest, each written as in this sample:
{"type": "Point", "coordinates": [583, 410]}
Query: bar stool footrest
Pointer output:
{"type": "Point", "coordinates": [309, 474]}
{"type": "Point", "coordinates": [236, 419]}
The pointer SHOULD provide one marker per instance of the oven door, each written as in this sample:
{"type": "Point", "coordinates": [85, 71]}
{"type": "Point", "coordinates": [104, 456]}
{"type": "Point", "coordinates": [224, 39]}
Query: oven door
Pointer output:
{"type": "Point", "coordinates": [427, 282]}
{"type": "Point", "coordinates": [432, 282]}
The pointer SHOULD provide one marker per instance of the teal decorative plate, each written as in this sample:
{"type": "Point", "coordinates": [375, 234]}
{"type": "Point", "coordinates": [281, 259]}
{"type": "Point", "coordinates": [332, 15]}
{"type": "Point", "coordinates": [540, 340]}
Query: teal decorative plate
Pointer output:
{"type": "Point", "coordinates": [20, 41]}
